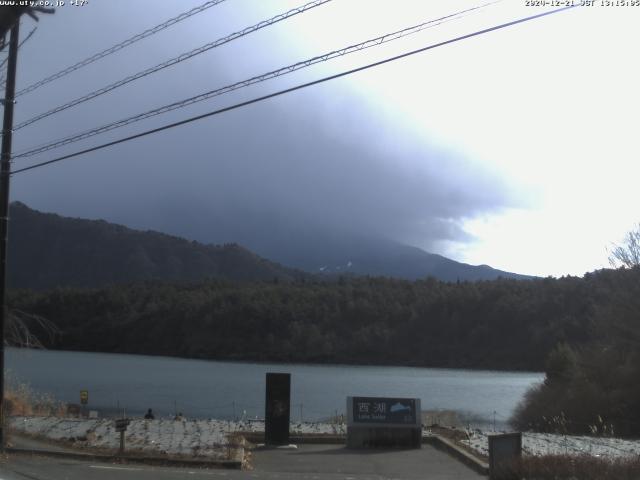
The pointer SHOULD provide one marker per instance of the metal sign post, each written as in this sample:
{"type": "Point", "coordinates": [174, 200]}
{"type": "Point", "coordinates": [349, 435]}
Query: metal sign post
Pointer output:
{"type": "Point", "coordinates": [84, 400]}
{"type": "Point", "coordinates": [121, 426]}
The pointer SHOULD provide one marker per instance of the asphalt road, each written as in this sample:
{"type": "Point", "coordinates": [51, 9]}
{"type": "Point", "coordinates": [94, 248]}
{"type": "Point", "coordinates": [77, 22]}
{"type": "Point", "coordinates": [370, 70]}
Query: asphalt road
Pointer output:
{"type": "Point", "coordinates": [309, 462]}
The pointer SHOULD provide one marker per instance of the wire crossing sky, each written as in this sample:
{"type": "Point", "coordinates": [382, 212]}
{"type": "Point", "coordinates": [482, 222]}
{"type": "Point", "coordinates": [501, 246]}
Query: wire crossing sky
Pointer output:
{"type": "Point", "coordinates": [289, 90]}
{"type": "Point", "coordinates": [174, 61]}
{"type": "Point", "coordinates": [388, 37]}
{"type": "Point", "coordinates": [4, 61]}
{"type": "Point", "coordinates": [119, 46]}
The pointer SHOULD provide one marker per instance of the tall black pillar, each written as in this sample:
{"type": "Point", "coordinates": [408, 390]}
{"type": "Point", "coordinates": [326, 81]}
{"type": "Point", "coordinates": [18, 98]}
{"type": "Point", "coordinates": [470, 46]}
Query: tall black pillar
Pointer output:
{"type": "Point", "coordinates": [277, 409]}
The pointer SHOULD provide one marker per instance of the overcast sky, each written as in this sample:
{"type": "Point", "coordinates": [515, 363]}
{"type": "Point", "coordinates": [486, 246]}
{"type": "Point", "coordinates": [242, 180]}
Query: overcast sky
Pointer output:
{"type": "Point", "coordinates": [518, 149]}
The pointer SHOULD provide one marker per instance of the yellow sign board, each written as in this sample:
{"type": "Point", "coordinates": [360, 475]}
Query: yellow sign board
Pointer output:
{"type": "Point", "coordinates": [84, 397]}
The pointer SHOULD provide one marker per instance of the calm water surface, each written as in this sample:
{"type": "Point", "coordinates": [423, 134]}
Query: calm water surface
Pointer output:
{"type": "Point", "coordinates": [210, 389]}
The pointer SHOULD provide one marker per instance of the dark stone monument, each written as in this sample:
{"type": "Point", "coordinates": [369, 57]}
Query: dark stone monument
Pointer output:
{"type": "Point", "coordinates": [505, 451]}
{"type": "Point", "coordinates": [277, 409]}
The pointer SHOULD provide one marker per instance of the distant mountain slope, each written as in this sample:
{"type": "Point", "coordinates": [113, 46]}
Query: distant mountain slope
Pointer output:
{"type": "Point", "coordinates": [47, 250]}
{"type": "Point", "coordinates": [413, 263]}
{"type": "Point", "coordinates": [321, 252]}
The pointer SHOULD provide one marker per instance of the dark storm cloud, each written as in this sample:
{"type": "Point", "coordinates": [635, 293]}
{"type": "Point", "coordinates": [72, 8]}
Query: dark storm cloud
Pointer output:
{"type": "Point", "coordinates": [321, 159]}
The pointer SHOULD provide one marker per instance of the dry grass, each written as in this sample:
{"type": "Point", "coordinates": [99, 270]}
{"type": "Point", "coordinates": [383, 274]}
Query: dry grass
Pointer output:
{"type": "Point", "coordinates": [20, 399]}
{"type": "Point", "coordinates": [441, 418]}
{"type": "Point", "coordinates": [564, 467]}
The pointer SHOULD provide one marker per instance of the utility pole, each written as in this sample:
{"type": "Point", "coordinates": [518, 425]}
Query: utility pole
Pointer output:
{"type": "Point", "coordinates": [5, 172]}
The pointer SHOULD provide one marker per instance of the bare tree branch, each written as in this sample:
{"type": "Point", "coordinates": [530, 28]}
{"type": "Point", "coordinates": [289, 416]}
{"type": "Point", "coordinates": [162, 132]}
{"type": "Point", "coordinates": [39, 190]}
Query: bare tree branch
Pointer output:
{"type": "Point", "coordinates": [21, 326]}
{"type": "Point", "coordinates": [628, 254]}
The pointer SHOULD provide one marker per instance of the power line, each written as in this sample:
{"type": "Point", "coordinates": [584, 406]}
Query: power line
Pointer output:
{"type": "Point", "coordinates": [120, 46]}
{"type": "Point", "coordinates": [2, 64]}
{"type": "Point", "coordinates": [24, 40]}
{"type": "Point", "coordinates": [292, 89]}
{"type": "Point", "coordinates": [174, 61]}
{"type": "Point", "coordinates": [245, 83]}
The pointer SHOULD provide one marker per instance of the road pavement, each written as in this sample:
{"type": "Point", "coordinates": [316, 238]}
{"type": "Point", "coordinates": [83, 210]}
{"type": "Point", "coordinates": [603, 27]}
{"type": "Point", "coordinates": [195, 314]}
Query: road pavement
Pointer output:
{"type": "Point", "coordinates": [309, 462]}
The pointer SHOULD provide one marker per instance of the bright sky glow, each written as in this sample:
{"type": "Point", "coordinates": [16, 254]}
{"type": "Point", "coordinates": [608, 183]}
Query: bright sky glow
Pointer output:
{"type": "Point", "coordinates": [552, 106]}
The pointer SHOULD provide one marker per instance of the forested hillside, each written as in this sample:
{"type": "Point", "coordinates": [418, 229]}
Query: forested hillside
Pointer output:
{"type": "Point", "coordinates": [48, 251]}
{"type": "Point", "coordinates": [501, 324]}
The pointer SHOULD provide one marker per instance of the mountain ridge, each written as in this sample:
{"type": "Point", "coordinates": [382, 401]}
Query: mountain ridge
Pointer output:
{"type": "Point", "coordinates": [48, 250]}
{"type": "Point", "coordinates": [90, 253]}
{"type": "Point", "coordinates": [319, 252]}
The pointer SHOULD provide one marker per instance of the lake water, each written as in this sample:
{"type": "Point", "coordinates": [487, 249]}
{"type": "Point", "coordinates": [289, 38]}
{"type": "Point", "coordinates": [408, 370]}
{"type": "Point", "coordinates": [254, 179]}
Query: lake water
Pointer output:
{"type": "Point", "coordinates": [211, 389]}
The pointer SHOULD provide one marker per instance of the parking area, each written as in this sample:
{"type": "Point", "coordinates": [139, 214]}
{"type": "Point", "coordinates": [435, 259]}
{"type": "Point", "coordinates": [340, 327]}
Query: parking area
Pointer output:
{"type": "Point", "coordinates": [335, 461]}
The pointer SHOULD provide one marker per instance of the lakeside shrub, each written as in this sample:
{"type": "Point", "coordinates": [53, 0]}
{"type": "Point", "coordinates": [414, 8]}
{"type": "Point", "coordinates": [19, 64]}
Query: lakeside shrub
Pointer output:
{"type": "Point", "coordinates": [593, 390]}
{"type": "Point", "coordinates": [589, 402]}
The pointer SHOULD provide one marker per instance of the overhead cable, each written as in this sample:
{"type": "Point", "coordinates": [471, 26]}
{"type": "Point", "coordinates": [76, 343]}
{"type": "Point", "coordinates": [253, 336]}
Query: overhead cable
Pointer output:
{"type": "Point", "coordinates": [245, 83]}
{"type": "Point", "coordinates": [119, 46]}
{"type": "Point", "coordinates": [4, 61]}
{"type": "Point", "coordinates": [291, 89]}
{"type": "Point", "coordinates": [174, 61]}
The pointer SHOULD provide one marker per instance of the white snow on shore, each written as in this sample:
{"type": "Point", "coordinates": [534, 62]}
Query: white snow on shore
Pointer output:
{"type": "Point", "coordinates": [194, 438]}
{"type": "Point", "coordinates": [553, 444]}
{"type": "Point", "coordinates": [211, 438]}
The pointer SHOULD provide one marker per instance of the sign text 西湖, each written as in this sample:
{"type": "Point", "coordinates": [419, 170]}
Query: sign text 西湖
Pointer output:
{"type": "Point", "coordinates": [399, 411]}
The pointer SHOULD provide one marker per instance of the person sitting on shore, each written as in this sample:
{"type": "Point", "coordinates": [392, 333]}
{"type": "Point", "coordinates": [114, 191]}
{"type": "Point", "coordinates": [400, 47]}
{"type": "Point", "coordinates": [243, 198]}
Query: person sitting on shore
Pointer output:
{"type": "Point", "coordinates": [149, 415]}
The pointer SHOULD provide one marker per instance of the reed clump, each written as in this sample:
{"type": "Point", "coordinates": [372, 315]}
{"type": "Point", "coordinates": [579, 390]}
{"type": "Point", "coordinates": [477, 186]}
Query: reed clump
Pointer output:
{"type": "Point", "coordinates": [21, 400]}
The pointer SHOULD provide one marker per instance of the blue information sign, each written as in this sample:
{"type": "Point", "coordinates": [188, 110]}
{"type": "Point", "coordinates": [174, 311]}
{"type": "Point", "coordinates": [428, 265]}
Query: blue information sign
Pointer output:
{"type": "Point", "coordinates": [384, 410]}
